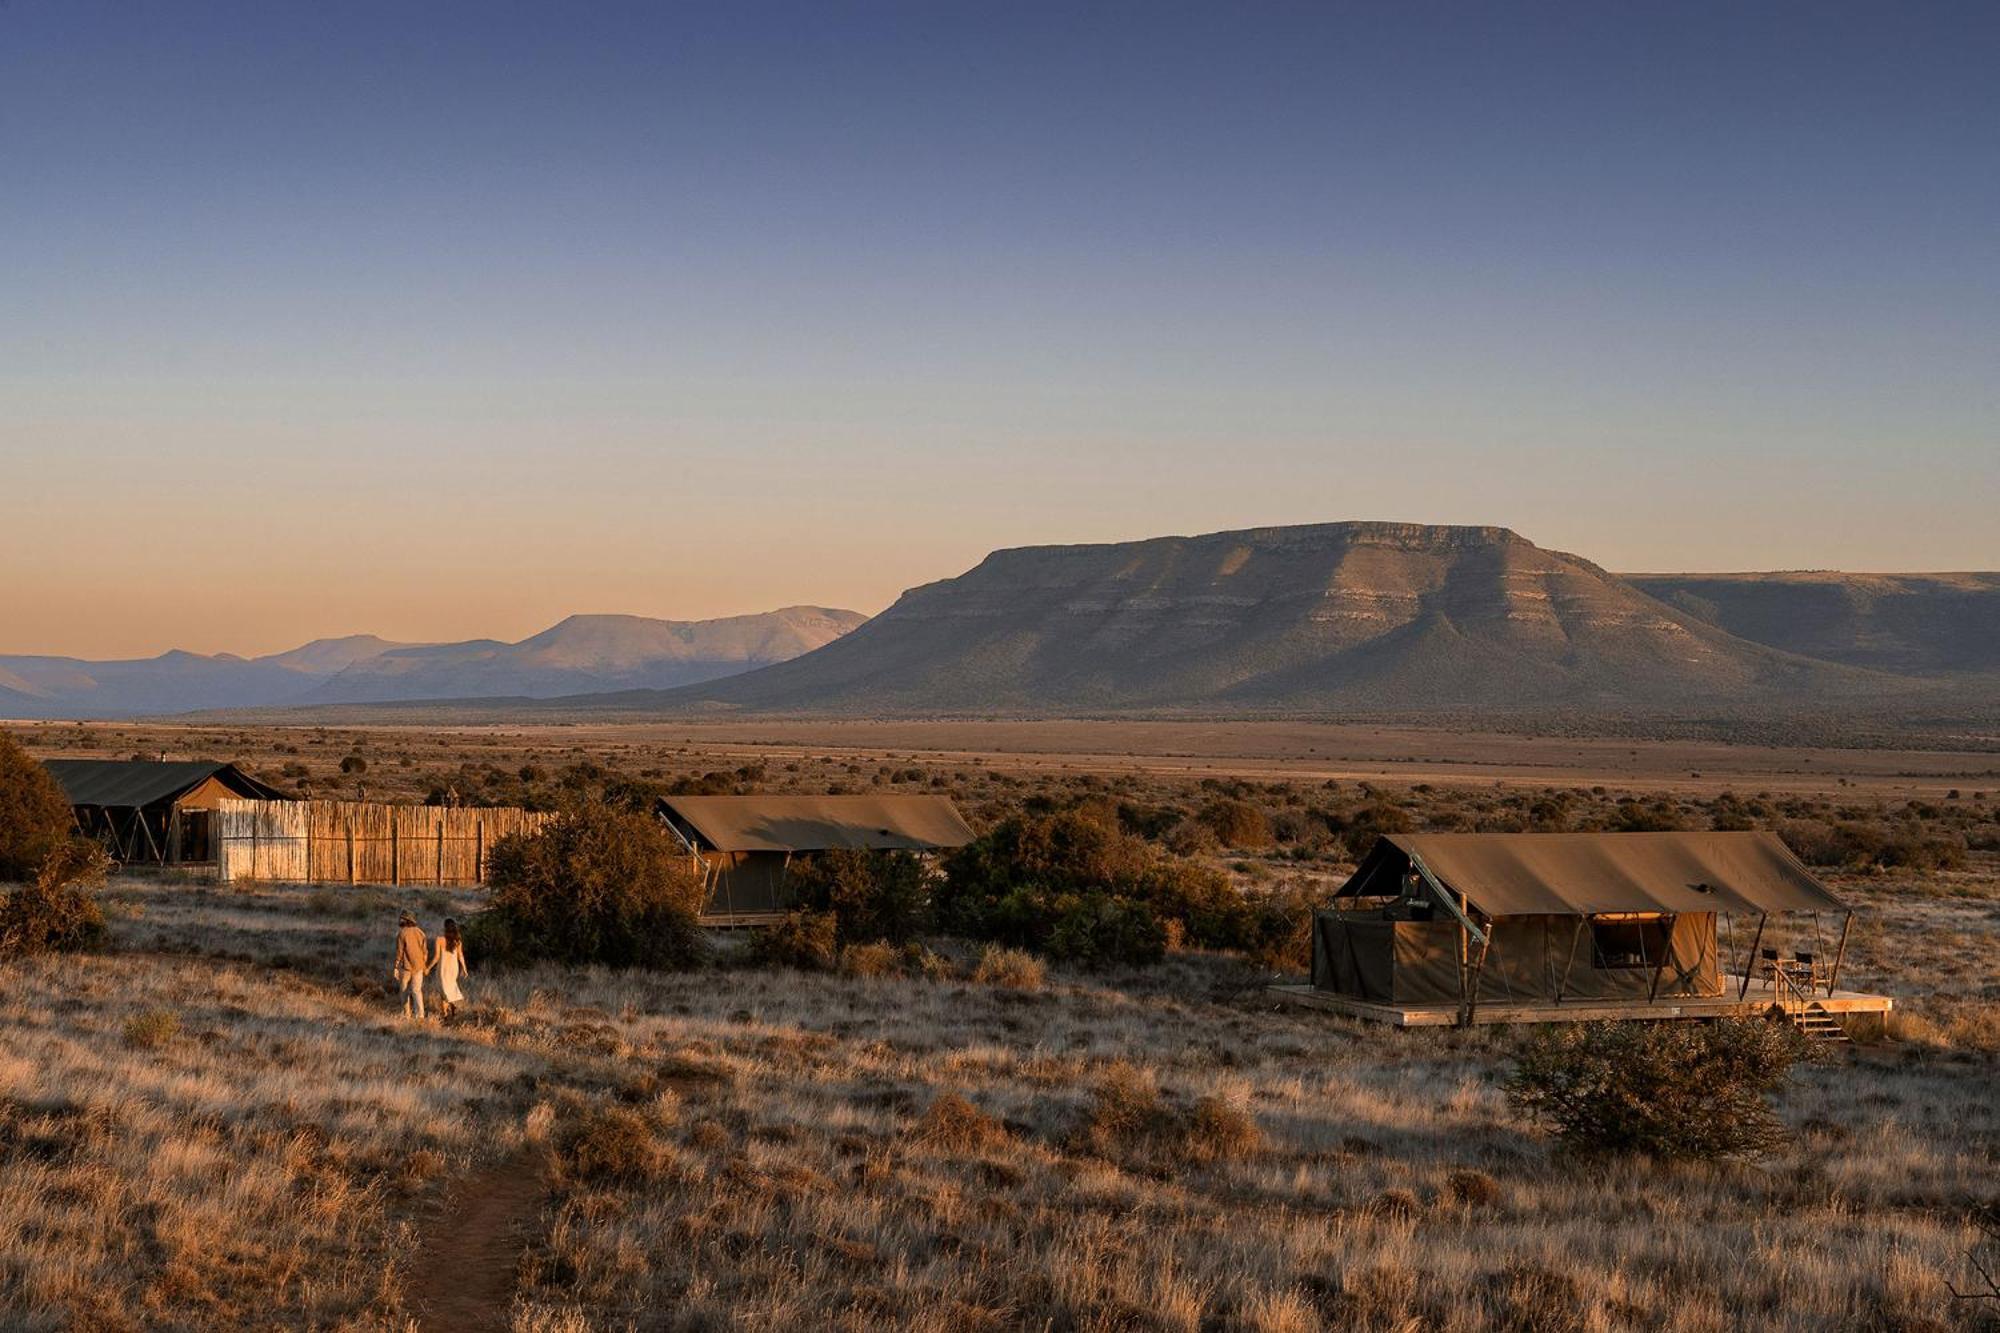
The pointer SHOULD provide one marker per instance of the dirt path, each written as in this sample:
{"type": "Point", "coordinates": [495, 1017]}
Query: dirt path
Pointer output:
{"type": "Point", "coordinates": [463, 1280]}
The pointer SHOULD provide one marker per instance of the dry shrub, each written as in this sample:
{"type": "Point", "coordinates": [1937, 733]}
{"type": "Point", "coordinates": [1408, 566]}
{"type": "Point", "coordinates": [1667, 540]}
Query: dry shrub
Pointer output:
{"type": "Point", "coordinates": [809, 941]}
{"type": "Point", "coordinates": [1236, 824]}
{"type": "Point", "coordinates": [1474, 1189]}
{"type": "Point", "coordinates": [1664, 1090]}
{"type": "Point", "coordinates": [954, 1124]}
{"type": "Point", "coordinates": [1528, 1298]}
{"type": "Point", "coordinates": [1394, 1205]}
{"type": "Point", "coordinates": [34, 814]}
{"type": "Point", "coordinates": [55, 914]}
{"type": "Point", "coordinates": [1129, 1121]}
{"type": "Point", "coordinates": [880, 959]}
{"type": "Point", "coordinates": [1221, 1130]}
{"type": "Point", "coordinates": [1013, 969]}
{"type": "Point", "coordinates": [612, 1145]}
{"type": "Point", "coordinates": [151, 1030]}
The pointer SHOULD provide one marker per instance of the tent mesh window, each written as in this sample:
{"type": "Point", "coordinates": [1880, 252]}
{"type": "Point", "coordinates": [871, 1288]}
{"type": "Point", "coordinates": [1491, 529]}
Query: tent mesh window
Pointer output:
{"type": "Point", "coordinates": [1629, 940]}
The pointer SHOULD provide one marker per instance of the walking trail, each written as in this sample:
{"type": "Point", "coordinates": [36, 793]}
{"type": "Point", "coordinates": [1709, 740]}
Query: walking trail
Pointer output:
{"type": "Point", "coordinates": [464, 1278]}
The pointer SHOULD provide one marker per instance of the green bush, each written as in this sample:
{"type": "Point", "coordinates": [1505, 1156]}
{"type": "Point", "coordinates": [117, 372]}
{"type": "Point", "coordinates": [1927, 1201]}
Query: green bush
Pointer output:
{"type": "Point", "coordinates": [594, 885]}
{"type": "Point", "coordinates": [34, 813]}
{"type": "Point", "coordinates": [873, 895]}
{"type": "Point", "coordinates": [1097, 929]}
{"type": "Point", "coordinates": [56, 913]}
{"type": "Point", "coordinates": [1083, 889]}
{"type": "Point", "coordinates": [1666, 1090]}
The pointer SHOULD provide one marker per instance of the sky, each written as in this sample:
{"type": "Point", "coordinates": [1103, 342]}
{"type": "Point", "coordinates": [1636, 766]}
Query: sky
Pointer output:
{"type": "Point", "coordinates": [448, 320]}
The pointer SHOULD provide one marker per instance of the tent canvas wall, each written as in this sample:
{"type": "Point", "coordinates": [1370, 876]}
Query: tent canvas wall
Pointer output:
{"type": "Point", "coordinates": [746, 845]}
{"type": "Point", "coordinates": [1542, 918]}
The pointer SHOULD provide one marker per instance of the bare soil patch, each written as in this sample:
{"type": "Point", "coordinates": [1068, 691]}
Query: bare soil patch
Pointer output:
{"type": "Point", "coordinates": [464, 1277]}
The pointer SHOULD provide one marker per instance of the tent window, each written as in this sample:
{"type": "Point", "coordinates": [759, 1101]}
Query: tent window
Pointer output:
{"type": "Point", "coordinates": [1629, 941]}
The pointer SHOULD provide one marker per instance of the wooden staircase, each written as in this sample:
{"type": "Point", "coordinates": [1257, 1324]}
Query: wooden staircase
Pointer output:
{"type": "Point", "coordinates": [1817, 1024]}
{"type": "Point", "coordinates": [1807, 1014]}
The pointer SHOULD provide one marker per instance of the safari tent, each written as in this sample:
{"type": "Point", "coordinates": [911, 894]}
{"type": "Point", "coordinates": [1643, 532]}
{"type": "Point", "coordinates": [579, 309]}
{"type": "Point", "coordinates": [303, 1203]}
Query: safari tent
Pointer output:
{"type": "Point", "coordinates": [1540, 925]}
{"type": "Point", "coordinates": [148, 812]}
{"type": "Point", "coordinates": [746, 845]}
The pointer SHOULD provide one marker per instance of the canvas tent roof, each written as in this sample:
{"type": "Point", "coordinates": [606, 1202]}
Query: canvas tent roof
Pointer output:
{"type": "Point", "coordinates": [820, 823]}
{"type": "Point", "coordinates": [132, 783]}
{"type": "Point", "coordinates": [1568, 874]}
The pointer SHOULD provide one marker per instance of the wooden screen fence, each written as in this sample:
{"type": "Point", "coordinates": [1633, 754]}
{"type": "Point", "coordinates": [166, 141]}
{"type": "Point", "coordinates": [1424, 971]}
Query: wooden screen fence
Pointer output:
{"type": "Point", "coordinates": [353, 842]}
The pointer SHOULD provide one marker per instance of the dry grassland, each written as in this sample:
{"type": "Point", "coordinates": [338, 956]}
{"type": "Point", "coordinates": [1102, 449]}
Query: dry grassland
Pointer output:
{"type": "Point", "coordinates": [223, 1124]}
{"type": "Point", "coordinates": [757, 1149]}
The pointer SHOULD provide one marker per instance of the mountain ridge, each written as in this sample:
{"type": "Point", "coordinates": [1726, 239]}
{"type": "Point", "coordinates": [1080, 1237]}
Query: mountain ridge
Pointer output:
{"type": "Point", "coordinates": [1332, 616]}
{"type": "Point", "coordinates": [655, 653]}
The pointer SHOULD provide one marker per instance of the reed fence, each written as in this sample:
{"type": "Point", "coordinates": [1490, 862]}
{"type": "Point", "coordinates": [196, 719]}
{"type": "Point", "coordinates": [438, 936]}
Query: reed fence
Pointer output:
{"type": "Point", "coordinates": [355, 842]}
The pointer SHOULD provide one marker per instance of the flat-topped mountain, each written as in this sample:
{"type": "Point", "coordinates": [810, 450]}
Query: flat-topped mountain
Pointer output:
{"type": "Point", "coordinates": [1327, 616]}
{"type": "Point", "coordinates": [1928, 624]}
{"type": "Point", "coordinates": [580, 655]}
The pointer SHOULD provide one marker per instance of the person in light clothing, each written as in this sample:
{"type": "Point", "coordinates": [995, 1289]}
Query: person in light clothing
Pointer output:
{"type": "Point", "coordinates": [448, 958]}
{"type": "Point", "coordinates": [411, 963]}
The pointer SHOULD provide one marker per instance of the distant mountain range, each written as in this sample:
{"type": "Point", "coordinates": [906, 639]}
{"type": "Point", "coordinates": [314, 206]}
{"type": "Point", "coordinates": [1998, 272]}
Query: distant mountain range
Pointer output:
{"type": "Point", "coordinates": [583, 654]}
{"type": "Point", "coordinates": [1322, 618]}
{"type": "Point", "coordinates": [1919, 624]}
{"type": "Point", "coordinates": [1327, 618]}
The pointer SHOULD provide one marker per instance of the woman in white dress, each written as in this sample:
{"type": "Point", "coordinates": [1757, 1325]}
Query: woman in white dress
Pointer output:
{"type": "Point", "coordinates": [448, 961]}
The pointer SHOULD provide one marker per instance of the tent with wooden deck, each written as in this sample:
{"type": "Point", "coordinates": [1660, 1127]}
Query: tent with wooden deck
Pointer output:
{"type": "Point", "coordinates": [746, 845]}
{"type": "Point", "coordinates": [154, 812]}
{"type": "Point", "coordinates": [1534, 922]}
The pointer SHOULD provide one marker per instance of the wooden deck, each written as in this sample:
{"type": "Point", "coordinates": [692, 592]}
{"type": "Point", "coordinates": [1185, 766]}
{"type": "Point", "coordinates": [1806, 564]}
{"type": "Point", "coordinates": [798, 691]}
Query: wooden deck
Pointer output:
{"type": "Point", "coordinates": [1850, 1008]}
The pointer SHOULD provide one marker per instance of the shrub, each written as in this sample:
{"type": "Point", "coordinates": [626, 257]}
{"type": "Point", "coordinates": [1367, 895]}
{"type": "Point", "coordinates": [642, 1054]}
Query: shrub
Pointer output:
{"type": "Point", "coordinates": [1394, 1204]}
{"type": "Point", "coordinates": [55, 914]}
{"type": "Point", "coordinates": [1012, 969]}
{"type": "Point", "coordinates": [1083, 889]}
{"type": "Point", "coordinates": [151, 1030]}
{"type": "Point", "coordinates": [1360, 830]}
{"type": "Point", "coordinates": [1129, 1120]}
{"type": "Point", "coordinates": [808, 941]}
{"type": "Point", "coordinates": [1474, 1189]}
{"type": "Point", "coordinates": [1236, 824]}
{"type": "Point", "coordinates": [1279, 935]}
{"type": "Point", "coordinates": [1220, 1130]}
{"type": "Point", "coordinates": [1664, 1090]}
{"type": "Point", "coordinates": [955, 1125]}
{"type": "Point", "coordinates": [34, 814]}
{"type": "Point", "coordinates": [1097, 929]}
{"type": "Point", "coordinates": [612, 1145]}
{"type": "Point", "coordinates": [880, 959]}
{"type": "Point", "coordinates": [594, 885]}
{"type": "Point", "coordinates": [873, 895]}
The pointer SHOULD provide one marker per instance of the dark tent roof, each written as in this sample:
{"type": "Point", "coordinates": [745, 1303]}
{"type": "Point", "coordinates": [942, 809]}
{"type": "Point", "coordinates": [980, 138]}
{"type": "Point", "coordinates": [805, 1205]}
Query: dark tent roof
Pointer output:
{"type": "Point", "coordinates": [131, 783]}
{"type": "Point", "coordinates": [1567, 874]}
{"type": "Point", "coordinates": [820, 823]}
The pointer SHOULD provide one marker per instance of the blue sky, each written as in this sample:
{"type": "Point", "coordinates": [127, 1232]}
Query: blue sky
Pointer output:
{"type": "Point", "coordinates": [469, 316]}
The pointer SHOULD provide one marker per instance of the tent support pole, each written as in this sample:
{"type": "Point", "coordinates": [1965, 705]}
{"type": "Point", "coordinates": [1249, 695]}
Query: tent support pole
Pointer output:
{"type": "Point", "coordinates": [1750, 959]}
{"type": "Point", "coordinates": [1469, 983]}
{"type": "Point", "coordinates": [1569, 963]}
{"type": "Point", "coordinates": [1444, 896]}
{"type": "Point", "coordinates": [1666, 952]}
{"type": "Point", "coordinates": [1839, 954]}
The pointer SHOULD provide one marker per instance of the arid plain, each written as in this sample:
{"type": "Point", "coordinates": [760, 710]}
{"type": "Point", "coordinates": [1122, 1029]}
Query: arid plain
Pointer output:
{"type": "Point", "coordinates": [221, 1123]}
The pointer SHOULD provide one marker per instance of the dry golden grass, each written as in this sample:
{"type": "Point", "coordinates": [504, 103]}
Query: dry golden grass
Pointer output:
{"type": "Point", "coordinates": [223, 1124]}
{"type": "Point", "coordinates": [774, 1149]}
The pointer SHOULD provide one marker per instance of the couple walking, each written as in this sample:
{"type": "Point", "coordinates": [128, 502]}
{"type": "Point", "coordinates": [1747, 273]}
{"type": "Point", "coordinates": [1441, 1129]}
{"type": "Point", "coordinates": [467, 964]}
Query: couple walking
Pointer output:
{"type": "Point", "coordinates": [418, 956]}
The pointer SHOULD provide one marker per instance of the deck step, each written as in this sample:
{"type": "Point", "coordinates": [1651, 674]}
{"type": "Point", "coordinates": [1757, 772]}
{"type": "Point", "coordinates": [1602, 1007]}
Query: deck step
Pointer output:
{"type": "Point", "coordinates": [1818, 1025]}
